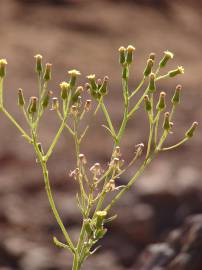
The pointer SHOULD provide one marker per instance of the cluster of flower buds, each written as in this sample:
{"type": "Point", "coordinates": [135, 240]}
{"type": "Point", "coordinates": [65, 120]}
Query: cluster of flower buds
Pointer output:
{"type": "Point", "coordinates": [95, 227]}
{"type": "Point", "coordinates": [97, 88]}
{"type": "Point", "coordinates": [126, 55]}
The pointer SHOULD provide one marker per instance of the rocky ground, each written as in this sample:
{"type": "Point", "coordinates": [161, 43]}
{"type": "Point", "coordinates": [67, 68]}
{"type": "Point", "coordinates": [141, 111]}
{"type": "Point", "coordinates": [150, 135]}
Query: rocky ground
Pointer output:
{"type": "Point", "coordinates": [159, 226]}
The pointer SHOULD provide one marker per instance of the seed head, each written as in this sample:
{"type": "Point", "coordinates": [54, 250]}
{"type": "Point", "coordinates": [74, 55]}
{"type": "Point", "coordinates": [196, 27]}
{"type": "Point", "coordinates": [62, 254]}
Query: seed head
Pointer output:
{"type": "Point", "coordinates": [96, 169]}
{"type": "Point", "coordinates": [74, 110]}
{"type": "Point", "coordinates": [110, 186]}
{"type": "Point", "coordinates": [87, 105]}
{"type": "Point", "coordinates": [55, 104]}
{"type": "Point", "coordinates": [82, 159]}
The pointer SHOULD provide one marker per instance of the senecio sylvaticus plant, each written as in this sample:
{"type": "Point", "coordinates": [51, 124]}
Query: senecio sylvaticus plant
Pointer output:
{"type": "Point", "coordinates": [96, 182]}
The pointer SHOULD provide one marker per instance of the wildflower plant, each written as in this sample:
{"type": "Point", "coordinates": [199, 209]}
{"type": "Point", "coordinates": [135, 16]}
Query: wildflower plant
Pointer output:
{"type": "Point", "coordinates": [96, 183]}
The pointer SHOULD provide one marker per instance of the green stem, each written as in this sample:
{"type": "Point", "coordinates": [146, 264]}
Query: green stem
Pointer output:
{"type": "Point", "coordinates": [50, 196]}
{"type": "Point", "coordinates": [151, 128]}
{"type": "Point", "coordinates": [138, 88]}
{"type": "Point", "coordinates": [137, 105]}
{"type": "Point", "coordinates": [11, 118]}
{"type": "Point", "coordinates": [175, 145]}
{"type": "Point", "coordinates": [130, 183]}
{"type": "Point", "coordinates": [50, 150]}
{"type": "Point", "coordinates": [125, 117]}
{"type": "Point", "coordinates": [108, 119]}
{"type": "Point", "coordinates": [156, 122]}
{"type": "Point", "coordinates": [162, 77]}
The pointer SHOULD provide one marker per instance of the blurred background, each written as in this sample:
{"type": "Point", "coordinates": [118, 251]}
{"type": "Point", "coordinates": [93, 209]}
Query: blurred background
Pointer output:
{"type": "Point", "coordinates": [160, 220]}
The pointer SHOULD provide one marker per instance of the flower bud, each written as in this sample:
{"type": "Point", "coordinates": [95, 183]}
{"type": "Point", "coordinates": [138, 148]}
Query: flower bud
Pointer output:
{"type": "Point", "coordinates": [47, 72]}
{"type": "Point", "coordinates": [129, 54]}
{"type": "Point", "coordinates": [64, 89]}
{"type": "Point", "coordinates": [93, 87]}
{"type": "Point", "coordinates": [93, 84]}
{"type": "Point", "coordinates": [32, 107]}
{"type": "Point", "coordinates": [87, 105]}
{"type": "Point", "coordinates": [173, 73]}
{"type": "Point", "coordinates": [46, 99]}
{"type": "Point", "coordinates": [148, 68]}
{"type": "Point", "coordinates": [101, 215]}
{"type": "Point", "coordinates": [148, 106]}
{"type": "Point", "coordinates": [166, 122]}
{"type": "Point", "coordinates": [152, 84]}
{"type": "Point", "coordinates": [100, 233]}
{"type": "Point", "coordinates": [167, 56]}
{"type": "Point", "coordinates": [73, 75]}
{"type": "Point", "coordinates": [176, 97]}
{"type": "Point", "coordinates": [21, 100]}
{"type": "Point", "coordinates": [103, 89]}
{"type": "Point", "coordinates": [122, 55]}
{"type": "Point", "coordinates": [55, 104]}
{"type": "Point", "coordinates": [152, 56]}
{"type": "Point", "coordinates": [77, 94]}
{"type": "Point", "coordinates": [88, 228]}
{"type": "Point", "coordinates": [99, 83]}
{"type": "Point", "coordinates": [3, 64]}
{"type": "Point", "coordinates": [161, 103]}
{"type": "Point", "coordinates": [191, 131]}
{"type": "Point", "coordinates": [39, 67]}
